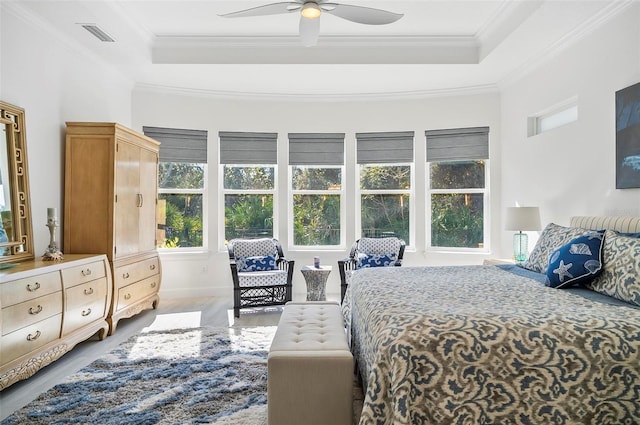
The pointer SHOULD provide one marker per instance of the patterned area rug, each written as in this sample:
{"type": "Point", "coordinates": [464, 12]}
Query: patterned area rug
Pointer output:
{"type": "Point", "coordinates": [187, 376]}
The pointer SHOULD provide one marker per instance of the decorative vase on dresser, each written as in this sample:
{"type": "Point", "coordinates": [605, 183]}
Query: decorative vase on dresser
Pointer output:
{"type": "Point", "coordinates": [49, 307]}
{"type": "Point", "coordinates": [111, 187]}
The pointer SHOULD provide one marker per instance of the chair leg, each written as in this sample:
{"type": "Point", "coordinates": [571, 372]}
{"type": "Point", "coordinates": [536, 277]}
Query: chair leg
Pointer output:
{"type": "Point", "coordinates": [236, 312]}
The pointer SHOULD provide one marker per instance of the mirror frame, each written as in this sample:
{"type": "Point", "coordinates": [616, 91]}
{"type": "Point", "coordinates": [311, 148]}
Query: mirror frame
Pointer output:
{"type": "Point", "coordinates": [13, 118]}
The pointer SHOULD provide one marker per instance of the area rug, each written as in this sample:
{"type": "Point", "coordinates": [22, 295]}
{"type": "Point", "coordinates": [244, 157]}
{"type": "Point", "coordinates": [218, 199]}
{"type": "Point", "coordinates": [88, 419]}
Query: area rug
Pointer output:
{"type": "Point", "coordinates": [184, 376]}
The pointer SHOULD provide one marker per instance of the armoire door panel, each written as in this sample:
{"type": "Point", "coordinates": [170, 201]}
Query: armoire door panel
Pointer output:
{"type": "Point", "coordinates": [127, 214]}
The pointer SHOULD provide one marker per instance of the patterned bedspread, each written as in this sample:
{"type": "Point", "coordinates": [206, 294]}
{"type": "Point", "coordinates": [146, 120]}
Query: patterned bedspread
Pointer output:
{"type": "Point", "coordinates": [479, 345]}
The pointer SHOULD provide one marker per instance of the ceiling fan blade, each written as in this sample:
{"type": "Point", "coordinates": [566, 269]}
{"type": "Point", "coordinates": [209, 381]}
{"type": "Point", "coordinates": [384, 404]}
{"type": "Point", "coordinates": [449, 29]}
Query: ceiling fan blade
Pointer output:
{"type": "Point", "coordinates": [267, 9]}
{"type": "Point", "coordinates": [361, 14]}
{"type": "Point", "coordinates": [309, 31]}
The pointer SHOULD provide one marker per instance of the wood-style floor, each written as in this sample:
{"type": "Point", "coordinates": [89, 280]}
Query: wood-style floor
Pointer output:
{"type": "Point", "coordinates": [175, 313]}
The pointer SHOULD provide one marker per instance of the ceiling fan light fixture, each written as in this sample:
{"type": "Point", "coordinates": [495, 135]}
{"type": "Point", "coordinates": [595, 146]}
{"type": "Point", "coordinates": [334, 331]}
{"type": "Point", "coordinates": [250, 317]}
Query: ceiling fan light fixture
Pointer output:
{"type": "Point", "coordinates": [310, 10]}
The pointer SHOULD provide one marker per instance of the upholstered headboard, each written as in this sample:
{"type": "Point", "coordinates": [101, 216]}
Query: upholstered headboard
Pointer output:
{"type": "Point", "coordinates": [621, 224]}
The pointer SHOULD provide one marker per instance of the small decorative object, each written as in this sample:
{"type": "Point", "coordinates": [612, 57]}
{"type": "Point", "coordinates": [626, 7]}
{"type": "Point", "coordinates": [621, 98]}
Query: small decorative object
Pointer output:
{"type": "Point", "coordinates": [52, 253]}
{"type": "Point", "coordinates": [316, 262]}
{"type": "Point", "coordinates": [522, 218]}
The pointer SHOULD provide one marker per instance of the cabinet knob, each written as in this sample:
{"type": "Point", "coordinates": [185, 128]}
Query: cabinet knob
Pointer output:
{"type": "Point", "coordinates": [36, 311]}
{"type": "Point", "coordinates": [86, 272]}
{"type": "Point", "coordinates": [125, 275]}
{"type": "Point", "coordinates": [127, 296]}
{"type": "Point", "coordinates": [33, 337]}
{"type": "Point", "coordinates": [33, 288]}
{"type": "Point", "coordinates": [86, 312]}
{"type": "Point", "coordinates": [153, 284]}
{"type": "Point", "coordinates": [88, 291]}
{"type": "Point", "coordinates": [152, 267]}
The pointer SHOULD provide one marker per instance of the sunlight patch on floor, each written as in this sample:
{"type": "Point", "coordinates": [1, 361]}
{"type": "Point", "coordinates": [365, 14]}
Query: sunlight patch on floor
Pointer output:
{"type": "Point", "coordinates": [159, 345]}
{"type": "Point", "coordinates": [165, 322]}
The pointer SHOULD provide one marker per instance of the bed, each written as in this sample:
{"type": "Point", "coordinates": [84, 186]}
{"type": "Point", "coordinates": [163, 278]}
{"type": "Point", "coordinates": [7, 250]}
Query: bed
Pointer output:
{"type": "Point", "coordinates": [495, 344]}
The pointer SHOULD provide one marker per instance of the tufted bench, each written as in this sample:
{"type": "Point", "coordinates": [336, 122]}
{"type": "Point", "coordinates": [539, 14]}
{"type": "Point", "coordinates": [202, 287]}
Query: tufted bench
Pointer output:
{"type": "Point", "coordinates": [310, 367]}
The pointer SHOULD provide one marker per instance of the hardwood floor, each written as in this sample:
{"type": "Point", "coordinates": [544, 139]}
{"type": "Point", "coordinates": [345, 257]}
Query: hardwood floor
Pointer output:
{"type": "Point", "coordinates": [171, 313]}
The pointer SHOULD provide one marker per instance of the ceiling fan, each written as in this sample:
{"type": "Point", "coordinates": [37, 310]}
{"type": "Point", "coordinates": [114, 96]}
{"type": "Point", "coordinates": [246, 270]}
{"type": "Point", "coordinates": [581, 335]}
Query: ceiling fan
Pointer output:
{"type": "Point", "coordinates": [310, 12]}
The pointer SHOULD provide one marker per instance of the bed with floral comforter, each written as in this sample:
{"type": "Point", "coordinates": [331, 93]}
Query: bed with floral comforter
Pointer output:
{"type": "Point", "coordinates": [482, 345]}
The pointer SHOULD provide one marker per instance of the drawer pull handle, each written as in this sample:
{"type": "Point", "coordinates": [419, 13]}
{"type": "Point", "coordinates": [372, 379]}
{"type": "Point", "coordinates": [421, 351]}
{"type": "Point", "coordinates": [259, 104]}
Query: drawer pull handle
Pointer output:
{"type": "Point", "coordinates": [152, 267]}
{"type": "Point", "coordinates": [88, 291]}
{"type": "Point", "coordinates": [127, 296]}
{"type": "Point", "coordinates": [34, 287]}
{"type": "Point", "coordinates": [36, 311]}
{"type": "Point", "coordinates": [86, 312]}
{"type": "Point", "coordinates": [86, 272]}
{"type": "Point", "coordinates": [153, 284]}
{"type": "Point", "coordinates": [125, 275]}
{"type": "Point", "coordinates": [33, 337]}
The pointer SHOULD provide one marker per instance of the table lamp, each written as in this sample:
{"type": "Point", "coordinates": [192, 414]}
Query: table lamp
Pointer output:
{"type": "Point", "coordinates": [522, 219]}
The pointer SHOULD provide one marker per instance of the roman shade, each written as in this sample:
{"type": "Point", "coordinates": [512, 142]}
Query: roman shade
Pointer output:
{"type": "Point", "coordinates": [248, 148]}
{"type": "Point", "coordinates": [316, 148]}
{"type": "Point", "coordinates": [179, 145]}
{"type": "Point", "coordinates": [457, 144]}
{"type": "Point", "coordinates": [390, 147]}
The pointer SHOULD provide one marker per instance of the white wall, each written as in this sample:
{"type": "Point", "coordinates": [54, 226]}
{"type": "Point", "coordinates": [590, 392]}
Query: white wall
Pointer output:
{"type": "Point", "coordinates": [53, 83]}
{"type": "Point", "coordinates": [571, 170]}
{"type": "Point", "coordinates": [209, 272]}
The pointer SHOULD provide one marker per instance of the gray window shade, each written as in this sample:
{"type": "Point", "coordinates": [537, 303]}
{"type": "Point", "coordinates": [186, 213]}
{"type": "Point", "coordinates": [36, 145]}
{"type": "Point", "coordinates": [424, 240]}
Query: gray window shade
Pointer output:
{"type": "Point", "coordinates": [457, 144]}
{"type": "Point", "coordinates": [179, 145]}
{"type": "Point", "coordinates": [248, 148]}
{"type": "Point", "coordinates": [316, 148]}
{"type": "Point", "coordinates": [390, 147]}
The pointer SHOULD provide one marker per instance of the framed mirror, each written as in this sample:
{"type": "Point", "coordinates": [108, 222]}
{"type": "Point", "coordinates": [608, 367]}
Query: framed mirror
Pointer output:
{"type": "Point", "coordinates": [16, 233]}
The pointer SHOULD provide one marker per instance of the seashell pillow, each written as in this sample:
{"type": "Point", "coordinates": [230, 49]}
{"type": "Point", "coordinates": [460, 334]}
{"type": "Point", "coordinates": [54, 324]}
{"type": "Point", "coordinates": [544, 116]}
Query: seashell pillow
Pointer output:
{"type": "Point", "coordinates": [552, 237]}
{"type": "Point", "coordinates": [621, 275]}
{"type": "Point", "coordinates": [579, 261]}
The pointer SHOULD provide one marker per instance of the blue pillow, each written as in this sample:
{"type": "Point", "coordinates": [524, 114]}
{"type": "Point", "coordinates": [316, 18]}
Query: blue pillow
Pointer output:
{"type": "Point", "coordinates": [257, 264]}
{"type": "Point", "coordinates": [579, 261]}
{"type": "Point", "coordinates": [376, 260]}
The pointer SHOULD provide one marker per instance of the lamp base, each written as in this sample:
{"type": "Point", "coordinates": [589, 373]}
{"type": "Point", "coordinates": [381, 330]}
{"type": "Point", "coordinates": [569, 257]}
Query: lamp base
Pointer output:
{"type": "Point", "coordinates": [520, 246]}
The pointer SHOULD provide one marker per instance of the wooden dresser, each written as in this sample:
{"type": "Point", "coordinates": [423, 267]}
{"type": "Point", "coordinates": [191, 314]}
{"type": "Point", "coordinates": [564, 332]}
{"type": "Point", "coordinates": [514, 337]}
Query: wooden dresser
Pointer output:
{"type": "Point", "coordinates": [111, 192]}
{"type": "Point", "coordinates": [49, 307]}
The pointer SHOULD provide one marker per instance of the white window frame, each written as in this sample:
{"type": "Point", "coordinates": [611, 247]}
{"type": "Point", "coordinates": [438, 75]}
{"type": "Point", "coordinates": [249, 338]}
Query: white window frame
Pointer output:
{"type": "Point", "coordinates": [205, 208]}
{"type": "Point", "coordinates": [343, 214]}
{"type": "Point", "coordinates": [553, 117]}
{"type": "Point", "coordinates": [486, 206]}
{"type": "Point", "coordinates": [411, 192]}
{"type": "Point", "coordinates": [223, 192]}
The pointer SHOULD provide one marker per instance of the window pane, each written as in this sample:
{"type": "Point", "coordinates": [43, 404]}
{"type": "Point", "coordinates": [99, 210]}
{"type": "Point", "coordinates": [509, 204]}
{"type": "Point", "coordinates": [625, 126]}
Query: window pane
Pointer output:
{"type": "Point", "coordinates": [386, 215]}
{"type": "Point", "coordinates": [307, 178]}
{"type": "Point", "coordinates": [457, 175]}
{"type": "Point", "coordinates": [248, 177]}
{"type": "Point", "coordinates": [179, 221]}
{"type": "Point", "coordinates": [178, 175]}
{"type": "Point", "coordinates": [316, 219]}
{"type": "Point", "coordinates": [457, 220]}
{"type": "Point", "coordinates": [376, 177]}
{"type": "Point", "coordinates": [248, 216]}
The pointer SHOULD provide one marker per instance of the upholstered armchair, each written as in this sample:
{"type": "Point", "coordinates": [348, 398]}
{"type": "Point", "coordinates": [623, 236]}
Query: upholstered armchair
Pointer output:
{"type": "Point", "coordinates": [370, 252]}
{"type": "Point", "coordinates": [261, 274]}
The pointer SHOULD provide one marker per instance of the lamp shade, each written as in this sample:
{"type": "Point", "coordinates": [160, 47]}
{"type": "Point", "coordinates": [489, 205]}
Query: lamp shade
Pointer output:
{"type": "Point", "coordinates": [522, 219]}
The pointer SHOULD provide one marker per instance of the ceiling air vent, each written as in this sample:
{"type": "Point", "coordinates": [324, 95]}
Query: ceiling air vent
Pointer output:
{"type": "Point", "coordinates": [97, 32]}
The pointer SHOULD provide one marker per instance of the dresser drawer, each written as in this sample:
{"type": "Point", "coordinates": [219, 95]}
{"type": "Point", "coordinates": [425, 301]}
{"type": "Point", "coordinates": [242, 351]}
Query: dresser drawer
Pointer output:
{"type": "Point", "coordinates": [27, 339]}
{"type": "Point", "coordinates": [86, 308]}
{"type": "Point", "coordinates": [29, 288]}
{"type": "Point", "coordinates": [135, 292]}
{"type": "Point", "coordinates": [85, 294]}
{"type": "Point", "coordinates": [80, 274]}
{"type": "Point", "coordinates": [130, 273]}
{"type": "Point", "coordinates": [29, 312]}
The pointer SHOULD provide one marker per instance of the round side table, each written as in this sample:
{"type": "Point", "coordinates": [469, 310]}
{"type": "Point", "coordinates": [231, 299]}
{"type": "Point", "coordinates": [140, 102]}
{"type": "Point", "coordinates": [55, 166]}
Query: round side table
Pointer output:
{"type": "Point", "coordinates": [316, 278]}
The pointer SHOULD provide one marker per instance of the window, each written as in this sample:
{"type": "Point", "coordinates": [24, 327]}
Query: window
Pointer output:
{"type": "Point", "coordinates": [248, 172]}
{"type": "Point", "coordinates": [556, 116]}
{"type": "Point", "coordinates": [316, 166]}
{"type": "Point", "coordinates": [182, 171]}
{"type": "Point", "coordinates": [386, 172]}
{"type": "Point", "coordinates": [457, 182]}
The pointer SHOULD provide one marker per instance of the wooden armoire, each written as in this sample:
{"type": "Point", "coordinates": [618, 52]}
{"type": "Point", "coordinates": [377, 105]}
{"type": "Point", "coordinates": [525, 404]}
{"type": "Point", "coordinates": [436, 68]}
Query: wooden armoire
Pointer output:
{"type": "Point", "coordinates": [111, 191]}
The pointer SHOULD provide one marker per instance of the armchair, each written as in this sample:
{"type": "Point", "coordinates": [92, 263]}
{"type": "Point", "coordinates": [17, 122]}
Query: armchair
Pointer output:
{"type": "Point", "coordinates": [370, 252]}
{"type": "Point", "coordinates": [261, 274]}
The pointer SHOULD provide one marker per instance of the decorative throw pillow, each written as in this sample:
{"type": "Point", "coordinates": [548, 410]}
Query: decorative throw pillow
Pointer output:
{"type": "Point", "coordinates": [376, 260]}
{"type": "Point", "coordinates": [621, 275]}
{"type": "Point", "coordinates": [579, 261]}
{"type": "Point", "coordinates": [257, 264]}
{"type": "Point", "coordinates": [552, 237]}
